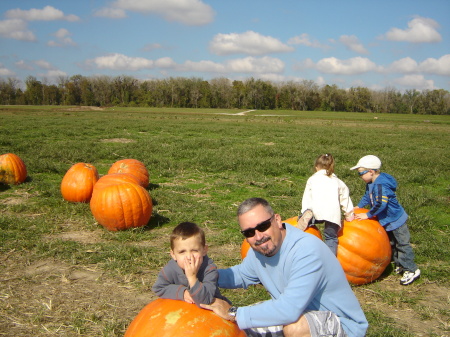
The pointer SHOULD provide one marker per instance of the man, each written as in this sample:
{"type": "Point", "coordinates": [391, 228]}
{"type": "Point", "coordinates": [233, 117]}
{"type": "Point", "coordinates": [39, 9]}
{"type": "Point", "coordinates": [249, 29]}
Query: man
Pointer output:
{"type": "Point", "coordinates": [310, 294]}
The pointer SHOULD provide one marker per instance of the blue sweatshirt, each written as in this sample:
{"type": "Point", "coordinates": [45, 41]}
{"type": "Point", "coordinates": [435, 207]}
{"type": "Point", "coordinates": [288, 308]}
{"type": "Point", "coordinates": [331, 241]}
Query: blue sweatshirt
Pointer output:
{"type": "Point", "coordinates": [380, 196]}
{"type": "Point", "coordinates": [304, 275]}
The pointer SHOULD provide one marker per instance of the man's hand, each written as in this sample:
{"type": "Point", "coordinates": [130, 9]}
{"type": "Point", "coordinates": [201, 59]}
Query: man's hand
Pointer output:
{"type": "Point", "coordinates": [220, 308]}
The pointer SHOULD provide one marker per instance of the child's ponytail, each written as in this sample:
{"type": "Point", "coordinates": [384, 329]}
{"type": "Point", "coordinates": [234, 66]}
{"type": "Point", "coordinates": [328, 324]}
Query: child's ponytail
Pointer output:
{"type": "Point", "coordinates": [325, 162]}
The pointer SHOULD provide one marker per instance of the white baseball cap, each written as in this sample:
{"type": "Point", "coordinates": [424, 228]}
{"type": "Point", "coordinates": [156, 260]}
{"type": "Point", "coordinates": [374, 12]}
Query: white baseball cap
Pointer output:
{"type": "Point", "coordinates": [369, 162]}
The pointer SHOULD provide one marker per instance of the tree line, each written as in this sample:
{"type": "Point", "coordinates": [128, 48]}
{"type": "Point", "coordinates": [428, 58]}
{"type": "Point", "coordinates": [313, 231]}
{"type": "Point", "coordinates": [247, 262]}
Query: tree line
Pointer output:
{"type": "Point", "coordinates": [180, 92]}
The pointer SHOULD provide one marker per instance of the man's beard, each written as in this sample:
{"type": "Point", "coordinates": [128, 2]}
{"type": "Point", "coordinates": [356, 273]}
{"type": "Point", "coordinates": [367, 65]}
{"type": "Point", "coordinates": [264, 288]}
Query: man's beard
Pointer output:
{"type": "Point", "coordinates": [266, 251]}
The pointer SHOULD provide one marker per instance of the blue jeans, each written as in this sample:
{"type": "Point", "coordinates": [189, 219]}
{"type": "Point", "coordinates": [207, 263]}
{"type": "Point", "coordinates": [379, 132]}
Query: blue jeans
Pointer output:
{"type": "Point", "coordinates": [330, 235]}
{"type": "Point", "coordinates": [402, 252]}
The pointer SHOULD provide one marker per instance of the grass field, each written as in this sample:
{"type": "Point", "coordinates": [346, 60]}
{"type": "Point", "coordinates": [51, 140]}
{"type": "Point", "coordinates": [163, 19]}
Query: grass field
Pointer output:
{"type": "Point", "coordinates": [64, 275]}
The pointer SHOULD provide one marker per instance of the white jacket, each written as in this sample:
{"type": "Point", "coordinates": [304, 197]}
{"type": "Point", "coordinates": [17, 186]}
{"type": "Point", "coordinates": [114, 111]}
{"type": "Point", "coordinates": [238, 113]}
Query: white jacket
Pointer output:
{"type": "Point", "coordinates": [325, 196]}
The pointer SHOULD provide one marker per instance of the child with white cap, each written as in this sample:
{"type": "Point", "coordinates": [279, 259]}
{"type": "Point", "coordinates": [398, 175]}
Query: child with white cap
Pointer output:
{"type": "Point", "coordinates": [381, 197]}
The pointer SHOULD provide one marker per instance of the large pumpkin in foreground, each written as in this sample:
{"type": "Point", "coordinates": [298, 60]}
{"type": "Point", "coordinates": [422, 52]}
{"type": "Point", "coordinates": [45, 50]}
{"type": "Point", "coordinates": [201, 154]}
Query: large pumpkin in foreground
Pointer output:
{"type": "Point", "coordinates": [114, 179]}
{"type": "Point", "coordinates": [121, 206]}
{"type": "Point", "coordinates": [12, 169]}
{"type": "Point", "coordinates": [78, 182]}
{"type": "Point", "coordinates": [133, 166]}
{"type": "Point", "coordinates": [364, 250]}
{"type": "Point", "coordinates": [292, 221]}
{"type": "Point", "coordinates": [171, 318]}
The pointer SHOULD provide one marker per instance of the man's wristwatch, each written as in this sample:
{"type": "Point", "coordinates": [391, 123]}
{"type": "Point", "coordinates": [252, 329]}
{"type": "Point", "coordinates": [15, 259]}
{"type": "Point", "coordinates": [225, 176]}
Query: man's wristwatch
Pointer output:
{"type": "Point", "coordinates": [232, 313]}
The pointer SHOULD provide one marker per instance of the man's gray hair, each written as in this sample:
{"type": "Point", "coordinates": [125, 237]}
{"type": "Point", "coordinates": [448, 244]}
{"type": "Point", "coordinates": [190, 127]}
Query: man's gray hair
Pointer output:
{"type": "Point", "coordinates": [249, 204]}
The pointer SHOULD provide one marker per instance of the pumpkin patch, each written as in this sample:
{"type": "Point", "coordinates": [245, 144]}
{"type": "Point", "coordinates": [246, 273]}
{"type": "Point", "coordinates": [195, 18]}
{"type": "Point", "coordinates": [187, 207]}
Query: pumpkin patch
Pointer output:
{"type": "Point", "coordinates": [13, 170]}
{"type": "Point", "coordinates": [171, 318]}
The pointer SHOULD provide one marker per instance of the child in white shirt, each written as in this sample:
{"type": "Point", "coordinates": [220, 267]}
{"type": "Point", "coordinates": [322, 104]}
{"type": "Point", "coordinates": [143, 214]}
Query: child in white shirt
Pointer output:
{"type": "Point", "coordinates": [324, 197]}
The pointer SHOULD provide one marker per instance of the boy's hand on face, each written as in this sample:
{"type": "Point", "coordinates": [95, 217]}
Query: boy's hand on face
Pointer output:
{"type": "Point", "coordinates": [187, 297]}
{"type": "Point", "coordinates": [191, 268]}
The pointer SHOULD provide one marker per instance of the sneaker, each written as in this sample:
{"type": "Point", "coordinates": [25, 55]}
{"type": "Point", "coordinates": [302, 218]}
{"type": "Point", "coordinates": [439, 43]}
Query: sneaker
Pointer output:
{"type": "Point", "coordinates": [398, 270]}
{"type": "Point", "coordinates": [409, 277]}
{"type": "Point", "coordinates": [304, 219]}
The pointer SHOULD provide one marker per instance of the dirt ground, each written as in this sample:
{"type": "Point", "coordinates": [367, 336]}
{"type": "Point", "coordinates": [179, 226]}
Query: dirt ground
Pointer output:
{"type": "Point", "coordinates": [52, 298]}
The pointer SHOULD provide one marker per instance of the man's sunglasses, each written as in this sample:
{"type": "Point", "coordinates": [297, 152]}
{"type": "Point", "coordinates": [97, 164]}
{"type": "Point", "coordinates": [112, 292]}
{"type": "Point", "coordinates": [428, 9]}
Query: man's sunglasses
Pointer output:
{"type": "Point", "coordinates": [261, 227]}
{"type": "Point", "coordinates": [363, 172]}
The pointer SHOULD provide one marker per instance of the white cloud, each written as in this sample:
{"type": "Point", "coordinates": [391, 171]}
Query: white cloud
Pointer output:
{"type": "Point", "coordinates": [248, 65]}
{"type": "Point", "coordinates": [48, 13]}
{"type": "Point", "coordinates": [152, 46]}
{"type": "Point", "coordinates": [188, 12]}
{"type": "Point", "coordinates": [250, 43]}
{"type": "Point", "coordinates": [61, 33]}
{"type": "Point", "coordinates": [121, 62]}
{"type": "Point", "coordinates": [273, 77]}
{"type": "Point", "coordinates": [439, 66]}
{"type": "Point", "coordinates": [63, 39]}
{"type": "Point", "coordinates": [352, 66]}
{"type": "Point", "coordinates": [112, 13]}
{"type": "Point", "coordinates": [431, 65]}
{"type": "Point", "coordinates": [165, 62]}
{"type": "Point", "coordinates": [203, 66]}
{"type": "Point", "coordinates": [5, 71]}
{"type": "Point", "coordinates": [16, 29]}
{"type": "Point", "coordinates": [53, 74]}
{"type": "Point", "coordinates": [404, 65]}
{"type": "Point", "coordinates": [261, 65]}
{"type": "Point", "coordinates": [353, 44]}
{"type": "Point", "coordinates": [415, 81]}
{"type": "Point", "coordinates": [44, 64]}
{"type": "Point", "coordinates": [304, 64]}
{"type": "Point", "coordinates": [420, 30]}
{"type": "Point", "coordinates": [320, 81]}
{"type": "Point", "coordinates": [23, 65]}
{"type": "Point", "coordinates": [305, 40]}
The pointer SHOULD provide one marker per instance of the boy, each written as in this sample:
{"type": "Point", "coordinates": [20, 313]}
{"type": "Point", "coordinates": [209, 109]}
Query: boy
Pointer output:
{"type": "Point", "coordinates": [380, 195]}
{"type": "Point", "coordinates": [191, 275]}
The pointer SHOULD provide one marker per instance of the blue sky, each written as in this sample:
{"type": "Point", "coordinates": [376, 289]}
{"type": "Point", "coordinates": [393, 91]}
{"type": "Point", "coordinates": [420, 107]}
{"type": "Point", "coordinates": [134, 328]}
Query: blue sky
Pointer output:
{"type": "Point", "coordinates": [402, 44]}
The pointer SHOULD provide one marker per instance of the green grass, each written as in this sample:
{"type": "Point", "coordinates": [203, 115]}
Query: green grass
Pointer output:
{"type": "Point", "coordinates": [202, 164]}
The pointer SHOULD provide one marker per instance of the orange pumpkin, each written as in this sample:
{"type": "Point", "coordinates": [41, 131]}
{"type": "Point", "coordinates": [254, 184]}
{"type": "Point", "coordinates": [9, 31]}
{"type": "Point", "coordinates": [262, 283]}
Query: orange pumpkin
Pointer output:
{"type": "Point", "coordinates": [364, 250]}
{"type": "Point", "coordinates": [78, 182]}
{"type": "Point", "coordinates": [12, 169]}
{"type": "Point", "coordinates": [292, 221]}
{"type": "Point", "coordinates": [121, 206]}
{"type": "Point", "coordinates": [116, 178]}
{"type": "Point", "coordinates": [171, 318]}
{"type": "Point", "coordinates": [133, 166]}
{"type": "Point", "coordinates": [310, 230]}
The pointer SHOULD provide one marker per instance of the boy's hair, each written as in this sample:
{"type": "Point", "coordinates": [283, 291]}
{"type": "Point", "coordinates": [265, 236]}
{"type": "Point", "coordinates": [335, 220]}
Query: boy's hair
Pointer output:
{"type": "Point", "coordinates": [186, 230]}
{"type": "Point", "coordinates": [325, 162]}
